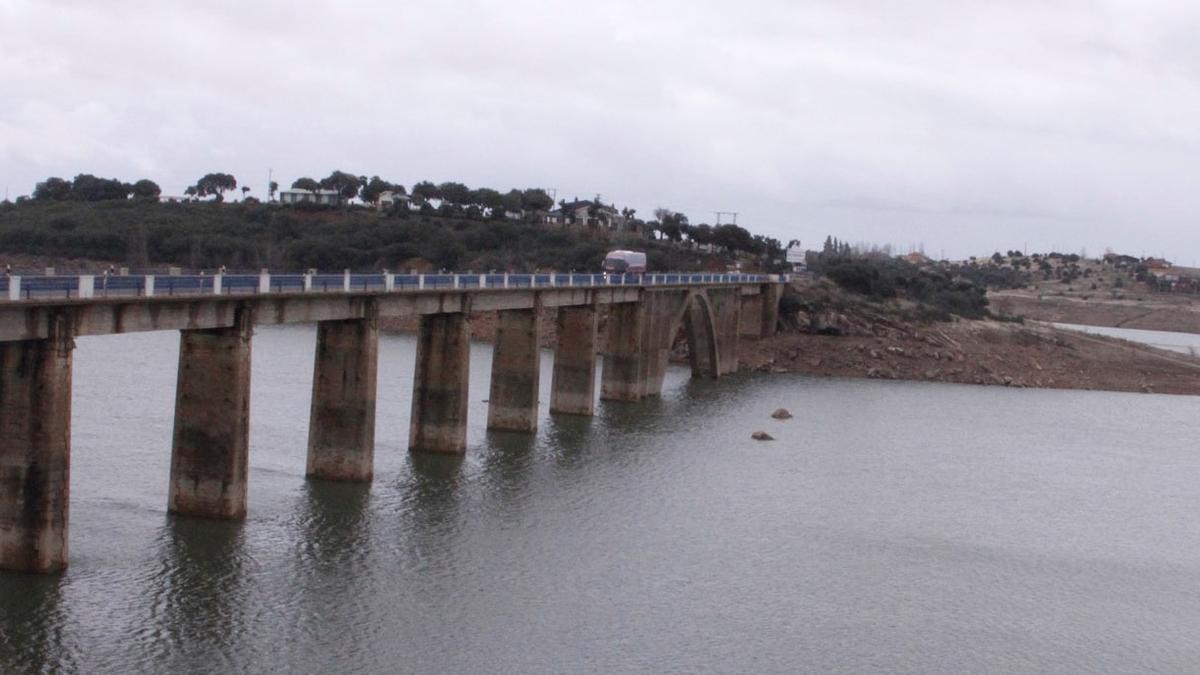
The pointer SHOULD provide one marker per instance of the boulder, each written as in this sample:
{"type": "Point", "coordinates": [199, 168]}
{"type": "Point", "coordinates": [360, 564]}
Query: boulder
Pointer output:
{"type": "Point", "coordinates": [762, 436]}
{"type": "Point", "coordinates": [782, 414]}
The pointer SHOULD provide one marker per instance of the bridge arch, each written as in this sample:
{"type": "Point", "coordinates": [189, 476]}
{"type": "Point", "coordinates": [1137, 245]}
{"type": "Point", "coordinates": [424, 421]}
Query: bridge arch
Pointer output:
{"type": "Point", "coordinates": [699, 325]}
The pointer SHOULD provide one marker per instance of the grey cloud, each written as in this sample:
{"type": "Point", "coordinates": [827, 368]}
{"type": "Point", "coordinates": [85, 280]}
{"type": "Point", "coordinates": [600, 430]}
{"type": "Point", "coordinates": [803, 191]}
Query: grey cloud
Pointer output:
{"type": "Point", "coordinates": [968, 125]}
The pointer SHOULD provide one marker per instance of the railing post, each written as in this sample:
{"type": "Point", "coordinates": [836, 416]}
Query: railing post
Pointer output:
{"type": "Point", "coordinates": [14, 288]}
{"type": "Point", "coordinates": [483, 280]}
{"type": "Point", "coordinates": [389, 282]}
{"type": "Point", "coordinates": [264, 282]}
{"type": "Point", "coordinates": [346, 280]}
{"type": "Point", "coordinates": [552, 280]}
{"type": "Point", "coordinates": [421, 281]}
{"type": "Point", "coordinates": [506, 279]}
{"type": "Point", "coordinates": [217, 284]}
{"type": "Point", "coordinates": [87, 286]}
{"type": "Point", "coordinates": [308, 281]}
{"type": "Point", "coordinates": [149, 289]}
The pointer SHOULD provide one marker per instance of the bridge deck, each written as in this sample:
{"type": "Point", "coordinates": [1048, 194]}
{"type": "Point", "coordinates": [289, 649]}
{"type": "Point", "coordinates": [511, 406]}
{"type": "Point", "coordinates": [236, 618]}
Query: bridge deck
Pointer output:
{"type": "Point", "coordinates": [91, 305]}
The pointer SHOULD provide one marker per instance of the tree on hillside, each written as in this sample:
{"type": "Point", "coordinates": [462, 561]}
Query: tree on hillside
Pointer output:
{"type": "Point", "coordinates": [346, 184]}
{"type": "Point", "coordinates": [146, 189]}
{"type": "Point", "coordinates": [306, 184]}
{"type": "Point", "coordinates": [52, 189]}
{"type": "Point", "coordinates": [245, 190]}
{"type": "Point", "coordinates": [536, 199]}
{"type": "Point", "coordinates": [425, 190]}
{"type": "Point", "coordinates": [89, 188]}
{"type": "Point", "coordinates": [733, 238]}
{"type": "Point", "coordinates": [513, 201]}
{"type": "Point", "coordinates": [272, 188]}
{"type": "Point", "coordinates": [215, 185]}
{"type": "Point", "coordinates": [455, 193]}
{"type": "Point", "coordinates": [670, 223]}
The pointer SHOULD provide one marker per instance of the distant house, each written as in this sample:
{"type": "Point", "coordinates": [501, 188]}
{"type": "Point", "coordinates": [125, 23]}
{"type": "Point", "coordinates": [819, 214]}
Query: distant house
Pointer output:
{"type": "Point", "coordinates": [916, 258]}
{"type": "Point", "coordinates": [389, 198]}
{"type": "Point", "coordinates": [1157, 263]}
{"type": "Point", "coordinates": [324, 197]}
{"type": "Point", "coordinates": [592, 214]}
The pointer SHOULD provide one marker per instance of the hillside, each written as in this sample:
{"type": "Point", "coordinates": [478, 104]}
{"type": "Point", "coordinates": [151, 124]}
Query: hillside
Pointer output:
{"type": "Point", "coordinates": [250, 236]}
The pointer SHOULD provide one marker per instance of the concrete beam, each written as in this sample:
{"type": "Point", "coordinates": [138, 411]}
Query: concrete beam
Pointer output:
{"type": "Point", "coordinates": [621, 378]}
{"type": "Point", "coordinates": [341, 427]}
{"type": "Point", "coordinates": [573, 386]}
{"type": "Point", "coordinates": [211, 440]}
{"type": "Point", "coordinates": [439, 401]}
{"type": "Point", "coordinates": [35, 451]}
{"type": "Point", "coordinates": [516, 371]}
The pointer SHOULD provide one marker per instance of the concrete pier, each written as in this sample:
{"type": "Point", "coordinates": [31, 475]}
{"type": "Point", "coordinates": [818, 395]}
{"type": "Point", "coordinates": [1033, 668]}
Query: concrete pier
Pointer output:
{"type": "Point", "coordinates": [700, 329]}
{"type": "Point", "coordinates": [35, 449]}
{"type": "Point", "coordinates": [771, 295]}
{"type": "Point", "coordinates": [726, 305]}
{"type": "Point", "coordinates": [341, 426]}
{"type": "Point", "coordinates": [516, 371]}
{"type": "Point", "coordinates": [212, 422]}
{"type": "Point", "coordinates": [439, 401]}
{"type": "Point", "coordinates": [620, 380]}
{"type": "Point", "coordinates": [573, 387]}
{"type": "Point", "coordinates": [660, 324]}
{"type": "Point", "coordinates": [751, 317]}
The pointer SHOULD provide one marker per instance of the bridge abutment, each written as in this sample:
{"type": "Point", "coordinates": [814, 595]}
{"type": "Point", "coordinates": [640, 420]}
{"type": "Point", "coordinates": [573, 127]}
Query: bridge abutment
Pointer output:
{"type": "Point", "coordinates": [771, 295]}
{"type": "Point", "coordinates": [211, 439]}
{"type": "Point", "coordinates": [573, 386]}
{"type": "Point", "coordinates": [341, 430]}
{"type": "Point", "coordinates": [620, 379]}
{"type": "Point", "coordinates": [439, 401]}
{"type": "Point", "coordinates": [516, 371]}
{"type": "Point", "coordinates": [35, 453]}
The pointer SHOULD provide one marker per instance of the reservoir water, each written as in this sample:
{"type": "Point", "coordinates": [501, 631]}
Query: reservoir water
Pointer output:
{"type": "Point", "coordinates": [1184, 343]}
{"type": "Point", "coordinates": [892, 527]}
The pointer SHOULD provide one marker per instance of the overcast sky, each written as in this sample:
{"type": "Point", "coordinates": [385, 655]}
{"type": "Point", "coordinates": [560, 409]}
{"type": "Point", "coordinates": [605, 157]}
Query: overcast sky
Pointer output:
{"type": "Point", "coordinates": [964, 125]}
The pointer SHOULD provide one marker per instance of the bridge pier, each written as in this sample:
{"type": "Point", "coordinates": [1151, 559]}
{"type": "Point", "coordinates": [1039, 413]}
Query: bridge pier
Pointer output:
{"type": "Point", "coordinates": [516, 371]}
{"type": "Point", "coordinates": [35, 453]}
{"type": "Point", "coordinates": [211, 440]}
{"type": "Point", "coordinates": [620, 380]}
{"type": "Point", "coordinates": [573, 387]}
{"type": "Point", "coordinates": [750, 317]}
{"type": "Point", "coordinates": [662, 315]}
{"type": "Point", "coordinates": [703, 354]}
{"type": "Point", "coordinates": [726, 306]}
{"type": "Point", "coordinates": [341, 427]}
{"type": "Point", "coordinates": [439, 401]}
{"type": "Point", "coordinates": [771, 295]}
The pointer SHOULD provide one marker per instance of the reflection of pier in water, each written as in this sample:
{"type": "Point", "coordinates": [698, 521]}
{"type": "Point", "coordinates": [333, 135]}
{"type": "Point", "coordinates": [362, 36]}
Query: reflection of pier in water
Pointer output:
{"type": "Point", "coordinates": [210, 445]}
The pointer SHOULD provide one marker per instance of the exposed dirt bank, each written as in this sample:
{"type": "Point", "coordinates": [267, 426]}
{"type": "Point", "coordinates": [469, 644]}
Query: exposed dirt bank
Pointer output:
{"type": "Point", "coordinates": [1157, 311]}
{"type": "Point", "coordinates": [980, 352]}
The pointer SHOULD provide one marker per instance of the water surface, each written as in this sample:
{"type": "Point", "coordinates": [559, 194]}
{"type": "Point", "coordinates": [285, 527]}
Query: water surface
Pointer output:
{"type": "Point", "coordinates": [893, 527]}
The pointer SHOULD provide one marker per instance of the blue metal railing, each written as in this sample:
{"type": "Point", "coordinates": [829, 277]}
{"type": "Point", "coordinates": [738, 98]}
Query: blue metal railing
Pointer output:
{"type": "Point", "coordinates": [86, 286]}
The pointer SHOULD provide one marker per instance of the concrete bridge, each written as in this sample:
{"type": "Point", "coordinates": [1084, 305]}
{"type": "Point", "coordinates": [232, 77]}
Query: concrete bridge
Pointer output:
{"type": "Point", "coordinates": [216, 316]}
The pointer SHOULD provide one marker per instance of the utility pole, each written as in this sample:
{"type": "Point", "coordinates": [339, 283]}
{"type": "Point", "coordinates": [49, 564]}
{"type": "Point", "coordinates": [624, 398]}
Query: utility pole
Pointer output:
{"type": "Point", "coordinates": [270, 178]}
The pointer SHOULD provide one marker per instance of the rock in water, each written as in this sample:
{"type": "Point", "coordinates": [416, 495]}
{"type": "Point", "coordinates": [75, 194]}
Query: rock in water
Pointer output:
{"type": "Point", "coordinates": [762, 436]}
{"type": "Point", "coordinates": [782, 414]}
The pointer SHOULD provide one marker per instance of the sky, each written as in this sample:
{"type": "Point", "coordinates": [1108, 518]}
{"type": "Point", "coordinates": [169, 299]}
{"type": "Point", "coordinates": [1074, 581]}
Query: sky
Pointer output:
{"type": "Point", "coordinates": [959, 126]}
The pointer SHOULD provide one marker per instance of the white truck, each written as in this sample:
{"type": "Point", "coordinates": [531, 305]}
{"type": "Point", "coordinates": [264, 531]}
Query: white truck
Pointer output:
{"type": "Point", "coordinates": [625, 262]}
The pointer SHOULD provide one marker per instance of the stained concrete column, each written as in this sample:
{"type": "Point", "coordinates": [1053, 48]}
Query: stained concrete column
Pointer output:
{"type": "Point", "coordinates": [573, 388]}
{"type": "Point", "coordinates": [620, 380]}
{"type": "Point", "coordinates": [439, 401]}
{"type": "Point", "coordinates": [516, 371]}
{"type": "Point", "coordinates": [701, 336]}
{"type": "Point", "coordinates": [341, 425]}
{"type": "Point", "coordinates": [751, 322]}
{"type": "Point", "coordinates": [35, 443]}
{"type": "Point", "coordinates": [726, 304]}
{"type": "Point", "coordinates": [771, 294]}
{"type": "Point", "coordinates": [211, 440]}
